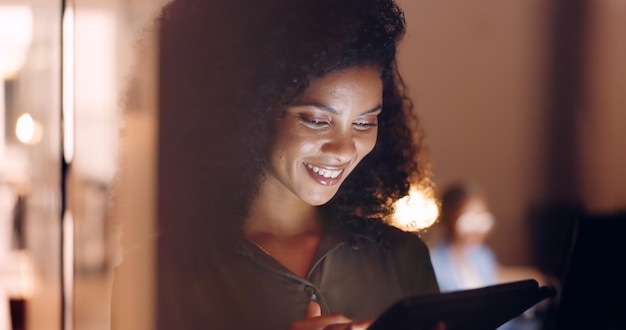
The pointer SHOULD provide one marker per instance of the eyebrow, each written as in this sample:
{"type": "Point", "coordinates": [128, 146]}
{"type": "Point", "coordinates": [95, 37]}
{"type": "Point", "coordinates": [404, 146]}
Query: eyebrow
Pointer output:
{"type": "Point", "coordinates": [333, 110]}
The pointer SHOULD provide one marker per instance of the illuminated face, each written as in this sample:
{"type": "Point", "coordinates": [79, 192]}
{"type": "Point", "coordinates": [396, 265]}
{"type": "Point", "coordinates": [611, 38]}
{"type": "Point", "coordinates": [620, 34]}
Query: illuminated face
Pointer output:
{"type": "Point", "coordinates": [324, 134]}
{"type": "Point", "coordinates": [474, 222]}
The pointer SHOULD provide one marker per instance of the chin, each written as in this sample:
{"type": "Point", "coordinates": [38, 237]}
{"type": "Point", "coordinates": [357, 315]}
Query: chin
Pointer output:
{"type": "Point", "coordinates": [318, 195]}
{"type": "Point", "coordinates": [318, 200]}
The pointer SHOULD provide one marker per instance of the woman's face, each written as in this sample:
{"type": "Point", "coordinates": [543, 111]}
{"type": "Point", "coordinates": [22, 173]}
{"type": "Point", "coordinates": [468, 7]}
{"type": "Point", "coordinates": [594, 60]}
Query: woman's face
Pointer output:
{"type": "Point", "coordinates": [324, 134]}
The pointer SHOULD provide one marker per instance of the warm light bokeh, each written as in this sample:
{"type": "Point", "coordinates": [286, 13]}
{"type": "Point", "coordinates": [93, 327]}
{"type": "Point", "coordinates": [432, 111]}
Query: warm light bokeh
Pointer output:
{"type": "Point", "coordinates": [27, 130]}
{"type": "Point", "coordinates": [16, 28]}
{"type": "Point", "coordinates": [416, 211]}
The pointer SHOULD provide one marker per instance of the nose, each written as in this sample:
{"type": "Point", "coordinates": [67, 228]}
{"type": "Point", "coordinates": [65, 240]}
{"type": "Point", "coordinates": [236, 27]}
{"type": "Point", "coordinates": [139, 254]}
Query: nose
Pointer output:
{"type": "Point", "coordinates": [340, 146]}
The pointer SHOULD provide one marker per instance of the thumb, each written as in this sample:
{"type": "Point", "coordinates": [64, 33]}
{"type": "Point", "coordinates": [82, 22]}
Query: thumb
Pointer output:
{"type": "Point", "coordinates": [313, 310]}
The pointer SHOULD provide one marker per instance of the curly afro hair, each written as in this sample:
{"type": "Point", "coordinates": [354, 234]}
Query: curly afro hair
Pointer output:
{"type": "Point", "coordinates": [225, 65]}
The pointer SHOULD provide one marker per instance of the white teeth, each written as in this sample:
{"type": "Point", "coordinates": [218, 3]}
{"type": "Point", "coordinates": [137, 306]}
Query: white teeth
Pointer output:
{"type": "Point", "coordinates": [324, 172]}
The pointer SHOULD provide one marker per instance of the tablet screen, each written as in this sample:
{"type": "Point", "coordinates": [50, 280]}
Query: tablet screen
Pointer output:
{"type": "Point", "coordinates": [482, 308]}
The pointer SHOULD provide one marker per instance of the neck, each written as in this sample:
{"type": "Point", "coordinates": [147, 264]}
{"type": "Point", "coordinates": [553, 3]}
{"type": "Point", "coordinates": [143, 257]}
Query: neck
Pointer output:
{"type": "Point", "coordinates": [281, 217]}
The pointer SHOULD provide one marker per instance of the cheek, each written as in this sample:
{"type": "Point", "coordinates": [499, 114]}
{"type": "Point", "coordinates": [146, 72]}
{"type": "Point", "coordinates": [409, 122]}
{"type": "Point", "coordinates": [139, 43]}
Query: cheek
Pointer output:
{"type": "Point", "coordinates": [283, 137]}
{"type": "Point", "coordinates": [291, 145]}
{"type": "Point", "coordinates": [366, 144]}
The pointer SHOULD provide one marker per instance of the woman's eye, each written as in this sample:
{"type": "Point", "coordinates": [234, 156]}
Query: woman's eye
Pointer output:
{"type": "Point", "coordinates": [364, 125]}
{"type": "Point", "coordinates": [314, 123]}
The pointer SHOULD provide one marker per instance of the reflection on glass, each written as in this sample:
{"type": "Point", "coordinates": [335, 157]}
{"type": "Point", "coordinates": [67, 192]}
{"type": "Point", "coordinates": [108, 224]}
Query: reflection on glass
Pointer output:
{"type": "Point", "coordinates": [105, 35]}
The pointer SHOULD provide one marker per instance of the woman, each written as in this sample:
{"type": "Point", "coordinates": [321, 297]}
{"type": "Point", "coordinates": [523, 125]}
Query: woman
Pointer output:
{"type": "Point", "coordinates": [285, 139]}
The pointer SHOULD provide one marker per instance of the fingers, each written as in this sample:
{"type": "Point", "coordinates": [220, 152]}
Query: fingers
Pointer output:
{"type": "Point", "coordinates": [363, 325]}
{"type": "Point", "coordinates": [333, 321]}
{"type": "Point", "coordinates": [339, 326]}
{"type": "Point", "coordinates": [314, 320]}
{"type": "Point", "coordinates": [313, 310]}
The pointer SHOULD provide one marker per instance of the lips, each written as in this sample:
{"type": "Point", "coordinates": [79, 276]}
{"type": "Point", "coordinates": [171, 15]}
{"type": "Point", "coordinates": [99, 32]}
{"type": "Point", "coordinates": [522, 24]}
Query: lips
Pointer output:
{"type": "Point", "coordinates": [324, 175]}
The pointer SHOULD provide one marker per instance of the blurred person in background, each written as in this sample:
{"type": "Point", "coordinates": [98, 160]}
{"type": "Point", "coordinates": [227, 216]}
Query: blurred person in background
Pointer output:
{"type": "Point", "coordinates": [461, 258]}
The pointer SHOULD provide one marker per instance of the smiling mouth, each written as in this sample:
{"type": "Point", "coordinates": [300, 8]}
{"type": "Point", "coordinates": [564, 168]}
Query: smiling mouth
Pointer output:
{"type": "Point", "coordinates": [325, 172]}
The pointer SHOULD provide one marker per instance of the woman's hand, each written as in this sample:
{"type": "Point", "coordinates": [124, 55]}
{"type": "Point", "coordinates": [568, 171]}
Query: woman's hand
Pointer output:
{"type": "Point", "coordinates": [314, 320]}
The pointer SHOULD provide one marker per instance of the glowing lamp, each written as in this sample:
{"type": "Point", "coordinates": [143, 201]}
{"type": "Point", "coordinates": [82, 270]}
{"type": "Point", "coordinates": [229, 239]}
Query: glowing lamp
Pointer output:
{"type": "Point", "coordinates": [416, 211]}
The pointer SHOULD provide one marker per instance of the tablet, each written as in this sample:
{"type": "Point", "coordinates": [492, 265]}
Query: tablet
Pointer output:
{"type": "Point", "coordinates": [482, 308]}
